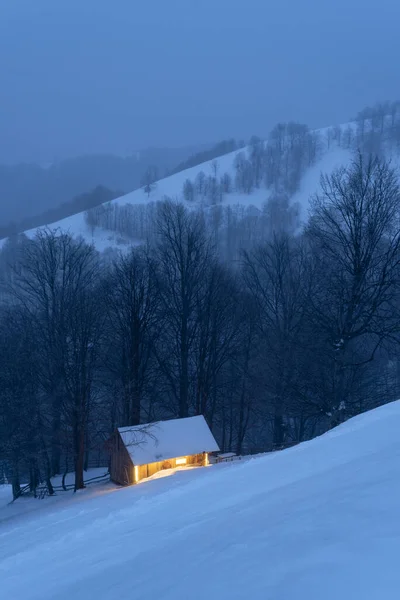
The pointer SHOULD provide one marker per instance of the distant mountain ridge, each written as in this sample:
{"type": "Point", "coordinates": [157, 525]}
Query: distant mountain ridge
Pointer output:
{"type": "Point", "coordinates": [246, 193]}
{"type": "Point", "coordinates": [28, 190]}
{"type": "Point", "coordinates": [82, 202]}
{"type": "Point", "coordinates": [229, 192]}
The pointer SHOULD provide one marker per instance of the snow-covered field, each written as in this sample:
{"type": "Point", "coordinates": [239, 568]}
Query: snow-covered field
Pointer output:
{"type": "Point", "coordinates": [316, 522]}
{"type": "Point", "coordinates": [10, 510]}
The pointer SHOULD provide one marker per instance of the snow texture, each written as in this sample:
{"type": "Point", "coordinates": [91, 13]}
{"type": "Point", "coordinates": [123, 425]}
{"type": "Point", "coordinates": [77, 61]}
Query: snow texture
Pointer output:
{"type": "Point", "coordinates": [168, 439]}
{"type": "Point", "coordinates": [317, 521]}
{"type": "Point", "coordinates": [9, 510]}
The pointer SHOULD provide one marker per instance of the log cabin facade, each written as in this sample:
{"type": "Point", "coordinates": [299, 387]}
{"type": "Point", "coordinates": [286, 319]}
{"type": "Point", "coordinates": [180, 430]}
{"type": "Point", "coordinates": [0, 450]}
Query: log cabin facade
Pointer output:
{"type": "Point", "coordinates": [140, 451]}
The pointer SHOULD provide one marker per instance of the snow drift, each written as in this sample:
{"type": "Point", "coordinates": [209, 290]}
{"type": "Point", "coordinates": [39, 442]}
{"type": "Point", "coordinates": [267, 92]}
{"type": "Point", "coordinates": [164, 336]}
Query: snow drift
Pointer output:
{"type": "Point", "coordinates": [317, 521]}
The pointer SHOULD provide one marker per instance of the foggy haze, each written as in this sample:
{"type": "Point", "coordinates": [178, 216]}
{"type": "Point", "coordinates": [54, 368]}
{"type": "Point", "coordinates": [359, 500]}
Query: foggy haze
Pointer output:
{"type": "Point", "coordinates": [85, 76]}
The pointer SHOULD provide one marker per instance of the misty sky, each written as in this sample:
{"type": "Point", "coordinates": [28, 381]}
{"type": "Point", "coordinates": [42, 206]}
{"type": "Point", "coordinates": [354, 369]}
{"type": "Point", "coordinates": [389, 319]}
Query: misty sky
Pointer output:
{"type": "Point", "coordinates": [80, 76]}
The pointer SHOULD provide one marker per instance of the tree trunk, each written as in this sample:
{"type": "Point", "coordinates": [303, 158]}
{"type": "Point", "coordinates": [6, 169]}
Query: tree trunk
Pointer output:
{"type": "Point", "coordinates": [134, 417]}
{"type": "Point", "coordinates": [338, 412]}
{"type": "Point", "coordinates": [87, 453]}
{"type": "Point", "coordinates": [47, 466]}
{"type": "Point", "coordinates": [302, 426]}
{"type": "Point", "coordinates": [79, 443]}
{"type": "Point", "coordinates": [230, 442]}
{"type": "Point", "coordinates": [16, 485]}
{"type": "Point", "coordinates": [135, 384]}
{"type": "Point", "coordinates": [278, 435]}
{"type": "Point", "coordinates": [241, 427]}
{"type": "Point", "coordinates": [184, 379]}
{"type": "Point", "coordinates": [55, 436]}
{"type": "Point", "coordinates": [33, 476]}
{"type": "Point", "coordinates": [213, 408]}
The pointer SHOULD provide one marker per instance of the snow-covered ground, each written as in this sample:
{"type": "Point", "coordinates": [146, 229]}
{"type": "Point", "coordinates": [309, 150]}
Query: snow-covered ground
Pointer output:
{"type": "Point", "coordinates": [9, 509]}
{"type": "Point", "coordinates": [310, 182]}
{"type": "Point", "coordinates": [318, 521]}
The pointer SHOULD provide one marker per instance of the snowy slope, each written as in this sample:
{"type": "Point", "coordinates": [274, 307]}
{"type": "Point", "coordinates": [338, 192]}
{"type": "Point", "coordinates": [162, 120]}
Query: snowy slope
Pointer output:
{"type": "Point", "coordinates": [172, 187]}
{"type": "Point", "coordinates": [310, 183]}
{"type": "Point", "coordinates": [318, 521]}
{"type": "Point", "coordinates": [10, 510]}
{"type": "Point", "coordinates": [169, 186]}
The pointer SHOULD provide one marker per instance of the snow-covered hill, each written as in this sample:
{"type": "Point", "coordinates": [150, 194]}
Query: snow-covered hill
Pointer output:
{"type": "Point", "coordinates": [123, 222]}
{"type": "Point", "coordinates": [317, 521]}
{"type": "Point", "coordinates": [172, 187]}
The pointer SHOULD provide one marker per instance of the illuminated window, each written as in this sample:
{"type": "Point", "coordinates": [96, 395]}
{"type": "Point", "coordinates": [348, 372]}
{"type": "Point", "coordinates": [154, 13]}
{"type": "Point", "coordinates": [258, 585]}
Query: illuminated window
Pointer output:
{"type": "Point", "coordinates": [181, 461]}
{"type": "Point", "coordinates": [136, 474]}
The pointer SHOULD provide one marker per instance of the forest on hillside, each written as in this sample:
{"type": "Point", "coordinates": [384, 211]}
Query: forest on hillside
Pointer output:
{"type": "Point", "coordinates": [274, 167]}
{"type": "Point", "coordinates": [34, 196]}
{"type": "Point", "coordinates": [295, 335]}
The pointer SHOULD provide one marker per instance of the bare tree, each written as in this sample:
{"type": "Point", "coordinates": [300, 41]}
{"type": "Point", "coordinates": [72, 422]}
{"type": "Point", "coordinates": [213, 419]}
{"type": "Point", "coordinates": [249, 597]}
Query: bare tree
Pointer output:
{"type": "Point", "coordinates": [226, 183]}
{"type": "Point", "coordinates": [363, 120]}
{"type": "Point", "coordinates": [217, 335]}
{"type": "Point", "coordinates": [348, 137]}
{"type": "Point", "coordinates": [200, 183]}
{"type": "Point", "coordinates": [183, 256]}
{"type": "Point", "coordinates": [214, 191]}
{"type": "Point", "coordinates": [246, 368]}
{"type": "Point", "coordinates": [132, 304]}
{"type": "Point", "coordinates": [244, 178]}
{"type": "Point", "coordinates": [188, 190]}
{"type": "Point", "coordinates": [354, 232]}
{"type": "Point", "coordinates": [20, 429]}
{"type": "Point", "coordinates": [91, 220]}
{"type": "Point", "coordinates": [274, 276]}
{"type": "Point", "coordinates": [257, 159]}
{"type": "Point", "coordinates": [55, 281]}
{"type": "Point", "coordinates": [85, 323]}
{"type": "Point", "coordinates": [214, 168]}
{"type": "Point", "coordinates": [282, 217]}
{"type": "Point", "coordinates": [149, 179]}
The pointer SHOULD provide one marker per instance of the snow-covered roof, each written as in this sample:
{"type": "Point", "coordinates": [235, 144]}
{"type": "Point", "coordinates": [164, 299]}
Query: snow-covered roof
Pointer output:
{"type": "Point", "coordinates": [153, 442]}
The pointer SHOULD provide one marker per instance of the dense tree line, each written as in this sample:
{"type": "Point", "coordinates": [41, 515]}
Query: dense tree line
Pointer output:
{"type": "Point", "coordinates": [233, 228]}
{"type": "Point", "coordinates": [296, 335]}
{"type": "Point", "coordinates": [378, 128]}
{"type": "Point", "coordinates": [278, 163]}
{"type": "Point", "coordinates": [276, 166]}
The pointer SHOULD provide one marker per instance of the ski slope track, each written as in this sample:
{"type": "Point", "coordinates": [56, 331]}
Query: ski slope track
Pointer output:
{"type": "Point", "coordinates": [172, 187]}
{"type": "Point", "coordinates": [318, 521]}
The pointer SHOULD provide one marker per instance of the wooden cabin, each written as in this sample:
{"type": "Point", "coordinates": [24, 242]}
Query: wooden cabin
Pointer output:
{"type": "Point", "coordinates": [142, 450]}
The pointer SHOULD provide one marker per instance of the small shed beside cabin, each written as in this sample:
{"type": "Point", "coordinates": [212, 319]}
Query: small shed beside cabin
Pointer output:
{"type": "Point", "coordinates": [140, 451]}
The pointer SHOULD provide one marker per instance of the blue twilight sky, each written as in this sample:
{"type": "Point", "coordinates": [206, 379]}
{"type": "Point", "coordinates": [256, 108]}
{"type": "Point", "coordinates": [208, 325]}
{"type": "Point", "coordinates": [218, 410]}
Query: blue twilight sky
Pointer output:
{"type": "Point", "coordinates": [80, 76]}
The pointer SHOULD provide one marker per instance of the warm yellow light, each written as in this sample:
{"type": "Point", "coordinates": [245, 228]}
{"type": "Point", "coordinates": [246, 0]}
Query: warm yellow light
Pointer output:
{"type": "Point", "coordinates": [136, 474]}
{"type": "Point", "coordinates": [181, 461]}
{"type": "Point", "coordinates": [206, 461]}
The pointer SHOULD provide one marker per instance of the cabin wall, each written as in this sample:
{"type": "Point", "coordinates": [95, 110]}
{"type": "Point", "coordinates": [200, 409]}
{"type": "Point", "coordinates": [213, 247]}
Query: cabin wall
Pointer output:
{"type": "Point", "coordinates": [121, 467]}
